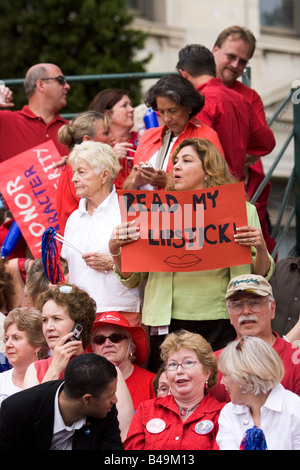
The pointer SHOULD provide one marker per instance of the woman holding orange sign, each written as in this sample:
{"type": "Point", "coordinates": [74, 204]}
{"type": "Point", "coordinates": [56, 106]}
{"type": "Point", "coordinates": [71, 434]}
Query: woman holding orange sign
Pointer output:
{"type": "Point", "coordinates": [192, 300]}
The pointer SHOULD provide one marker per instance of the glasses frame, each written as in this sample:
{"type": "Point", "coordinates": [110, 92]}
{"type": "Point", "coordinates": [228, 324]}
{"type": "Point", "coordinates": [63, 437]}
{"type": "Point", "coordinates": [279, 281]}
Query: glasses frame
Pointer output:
{"type": "Point", "coordinates": [122, 337]}
{"type": "Point", "coordinates": [59, 79]}
{"type": "Point", "coordinates": [182, 365]}
{"type": "Point", "coordinates": [243, 302]}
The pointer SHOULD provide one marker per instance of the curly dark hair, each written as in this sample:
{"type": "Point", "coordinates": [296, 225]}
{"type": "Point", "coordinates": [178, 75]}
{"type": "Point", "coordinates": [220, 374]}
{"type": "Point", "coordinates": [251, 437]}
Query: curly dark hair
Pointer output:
{"type": "Point", "coordinates": [178, 89]}
{"type": "Point", "coordinates": [81, 307]}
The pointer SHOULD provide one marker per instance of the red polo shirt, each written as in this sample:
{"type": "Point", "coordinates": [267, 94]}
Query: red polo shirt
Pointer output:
{"type": "Point", "coordinates": [237, 125]}
{"type": "Point", "coordinates": [256, 102]}
{"type": "Point", "coordinates": [22, 130]}
{"type": "Point", "coordinates": [252, 96]}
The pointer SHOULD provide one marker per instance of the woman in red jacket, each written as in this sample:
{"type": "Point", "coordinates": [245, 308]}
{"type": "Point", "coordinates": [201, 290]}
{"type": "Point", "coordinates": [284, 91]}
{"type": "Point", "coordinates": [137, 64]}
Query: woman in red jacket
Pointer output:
{"type": "Point", "coordinates": [188, 418]}
{"type": "Point", "coordinates": [177, 102]}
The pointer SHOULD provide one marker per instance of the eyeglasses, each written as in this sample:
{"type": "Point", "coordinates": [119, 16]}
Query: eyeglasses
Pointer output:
{"type": "Point", "coordinates": [187, 364]}
{"type": "Point", "coordinates": [60, 79]}
{"type": "Point", "coordinates": [113, 338]}
{"type": "Point", "coordinates": [233, 58]}
{"type": "Point", "coordinates": [237, 306]}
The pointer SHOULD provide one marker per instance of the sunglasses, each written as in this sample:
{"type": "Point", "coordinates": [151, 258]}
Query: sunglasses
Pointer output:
{"type": "Point", "coordinates": [60, 79]}
{"type": "Point", "coordinates": [113, 338]}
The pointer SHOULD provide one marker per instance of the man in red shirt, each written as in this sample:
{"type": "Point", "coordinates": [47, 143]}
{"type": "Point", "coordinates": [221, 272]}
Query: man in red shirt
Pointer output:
{"type": "Point", "coordinates": [251, 308]}
{"type": "Point", "coordinates": [232, 50]}
{"type": "Point", "coordinates": [227, 112]}
{"type": "Point", "coordinates": [46, 89]}
{"type": "Point", "coordinates": [231, 115]}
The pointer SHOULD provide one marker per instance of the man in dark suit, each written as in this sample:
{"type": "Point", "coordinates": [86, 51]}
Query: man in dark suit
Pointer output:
{"type": "Point", "coordinates": [77, 413]}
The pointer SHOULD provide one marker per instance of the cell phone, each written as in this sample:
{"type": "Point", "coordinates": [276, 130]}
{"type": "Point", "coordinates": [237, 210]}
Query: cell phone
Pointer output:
{"type": "Point", "coordinates": [148, 168]}
{"type": "Point", "coordinates": [76, 330]}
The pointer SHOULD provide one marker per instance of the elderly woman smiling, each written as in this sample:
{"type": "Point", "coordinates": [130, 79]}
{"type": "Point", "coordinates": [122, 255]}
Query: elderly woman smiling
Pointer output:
{"type": "Point", "coordinates": [95, 166]}
{"type": "Point", "coordinates": [187, 419]}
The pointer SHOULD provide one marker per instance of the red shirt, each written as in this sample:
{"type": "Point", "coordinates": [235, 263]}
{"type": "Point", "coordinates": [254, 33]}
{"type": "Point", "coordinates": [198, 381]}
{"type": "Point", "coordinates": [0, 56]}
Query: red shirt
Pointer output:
{"type": "Point", "coordinates": [66, 199]}
{"type": "Point", "coordinates": [140, 385]}
{"type": "Point", "coordinates": [23, 130]}
{"type": "Point", "coordinates": [151, 140]}
{"type": "Point", "coordinates": [252, 96]}
{"type": "Point", "coordinates": [239, 129]}
{"type": "Point", "coordinates": [177, 434]}
{"type": "Point", "coordinates": [291, 361]}
{"type": "Point", "coordinates": [256, 102]}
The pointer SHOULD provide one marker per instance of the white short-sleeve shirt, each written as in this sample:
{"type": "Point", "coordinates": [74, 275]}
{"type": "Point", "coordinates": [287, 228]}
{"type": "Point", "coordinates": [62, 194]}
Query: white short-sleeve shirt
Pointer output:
{"type": "Point", "coordinates": [280, 422]}
{"type": "Point", "coordinates": [92, 233]}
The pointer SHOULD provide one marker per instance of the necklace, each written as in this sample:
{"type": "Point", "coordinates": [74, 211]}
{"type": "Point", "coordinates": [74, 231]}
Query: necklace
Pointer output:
{"type": "Point", "coordinates": [185, 411]}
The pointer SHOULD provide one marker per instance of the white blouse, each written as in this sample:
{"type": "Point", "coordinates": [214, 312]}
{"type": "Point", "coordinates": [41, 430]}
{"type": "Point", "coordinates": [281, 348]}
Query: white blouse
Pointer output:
{"type": "Point", "coordinates": [92, 233]}
{"type": "Point", "coordinates": [280, 422]}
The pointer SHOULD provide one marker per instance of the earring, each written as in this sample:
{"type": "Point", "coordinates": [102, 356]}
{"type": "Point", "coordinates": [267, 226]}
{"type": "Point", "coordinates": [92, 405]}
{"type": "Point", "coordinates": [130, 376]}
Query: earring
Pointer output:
{"type": "Point", "coordinates": [206, 386]}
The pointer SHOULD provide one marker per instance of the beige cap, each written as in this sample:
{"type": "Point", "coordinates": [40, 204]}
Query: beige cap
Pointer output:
{"type": "Point", "coordinates": [249, 283]}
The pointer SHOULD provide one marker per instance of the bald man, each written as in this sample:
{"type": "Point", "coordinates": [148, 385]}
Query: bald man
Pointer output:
{"type": "Point", "coordinates": [46, 89]}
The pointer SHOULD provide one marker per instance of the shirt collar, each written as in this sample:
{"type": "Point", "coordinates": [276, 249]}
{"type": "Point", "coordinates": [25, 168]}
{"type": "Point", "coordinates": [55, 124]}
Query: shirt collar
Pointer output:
{"type": "Point", "coordinates": [103, 205]}
{"type": "Point", "coordinates": [28, 113]}
{"type": "Point", "coordinates": [59, 424]}
{"type": "Point", "coordinates": [273, 402]}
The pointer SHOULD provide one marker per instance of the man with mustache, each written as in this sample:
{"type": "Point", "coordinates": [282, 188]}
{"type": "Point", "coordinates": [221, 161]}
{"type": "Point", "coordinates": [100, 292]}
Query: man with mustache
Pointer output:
{"type": "Point", "coordinates": [251, 307]}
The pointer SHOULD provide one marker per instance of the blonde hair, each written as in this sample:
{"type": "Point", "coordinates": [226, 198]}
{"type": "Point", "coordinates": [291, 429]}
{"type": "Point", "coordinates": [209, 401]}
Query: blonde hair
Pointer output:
{"type": "Point", "coordinates": [253, 364]}
{"type": "Point", "coordinates": [98, 155]}
{"type": "Point", "coordinates": [195, 342]}
{"type": "Point", "coordinates": [213, 163]}
{"type": "Point", "coordinates": [84, 124]}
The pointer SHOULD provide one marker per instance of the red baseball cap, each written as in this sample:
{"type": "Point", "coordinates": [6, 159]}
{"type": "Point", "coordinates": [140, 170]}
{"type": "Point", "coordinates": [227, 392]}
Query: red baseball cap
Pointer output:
{"type": "Point", "coordinates": [137, 333]}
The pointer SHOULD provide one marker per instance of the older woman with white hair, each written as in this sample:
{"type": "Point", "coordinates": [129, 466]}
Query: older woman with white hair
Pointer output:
{"type": "Point", "coordinates": [262, 414]}
{"type": "Point", "coordinates": [95, 165]}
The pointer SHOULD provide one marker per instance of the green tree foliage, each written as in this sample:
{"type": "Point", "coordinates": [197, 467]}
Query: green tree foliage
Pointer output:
{"type": "Point", "coordinates": [83, 37]}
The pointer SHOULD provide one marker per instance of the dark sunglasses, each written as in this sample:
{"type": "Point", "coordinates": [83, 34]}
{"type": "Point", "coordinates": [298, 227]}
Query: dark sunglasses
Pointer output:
{"type": "Point", "coordinates": [114, 338]}
{"type": "Point", "coordinates": [60, 79]}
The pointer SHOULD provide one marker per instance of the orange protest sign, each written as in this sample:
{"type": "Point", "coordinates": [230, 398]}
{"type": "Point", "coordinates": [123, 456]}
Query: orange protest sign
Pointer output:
{"type": "Point", "coordinates": [28, 184]}
{"type": "Point", "coordinates": [185, 230]}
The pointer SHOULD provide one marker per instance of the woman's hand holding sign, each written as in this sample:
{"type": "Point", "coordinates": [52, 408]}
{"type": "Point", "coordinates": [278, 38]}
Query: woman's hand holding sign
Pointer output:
{"type": "Point", "coordinates": [252, 236]}
{"type": "Point", "coordinates": [123, 234]}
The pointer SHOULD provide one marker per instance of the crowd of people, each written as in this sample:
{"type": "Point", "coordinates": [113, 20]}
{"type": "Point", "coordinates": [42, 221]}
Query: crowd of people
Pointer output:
{"type": "Point", "coordinates": [116, 360]}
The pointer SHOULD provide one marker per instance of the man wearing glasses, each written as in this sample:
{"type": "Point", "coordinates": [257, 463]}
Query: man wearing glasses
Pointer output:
{"type": "Point", "coordinates": [233, 48]}
{"type": "Point", "coordinates": [46, 90]}
{"type": "Point", "coordinates": [251, 307]}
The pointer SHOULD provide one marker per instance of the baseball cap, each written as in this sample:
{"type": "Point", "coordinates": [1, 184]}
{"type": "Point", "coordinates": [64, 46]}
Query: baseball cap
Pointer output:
{"type": "Point", "coordinates": [137, 333]}
{"type": "Point", "coordinates": [253, 283]}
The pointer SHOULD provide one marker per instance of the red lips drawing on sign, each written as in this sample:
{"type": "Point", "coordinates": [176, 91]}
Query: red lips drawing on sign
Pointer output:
{"type": "Point", "coordinates": [185, 230]}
